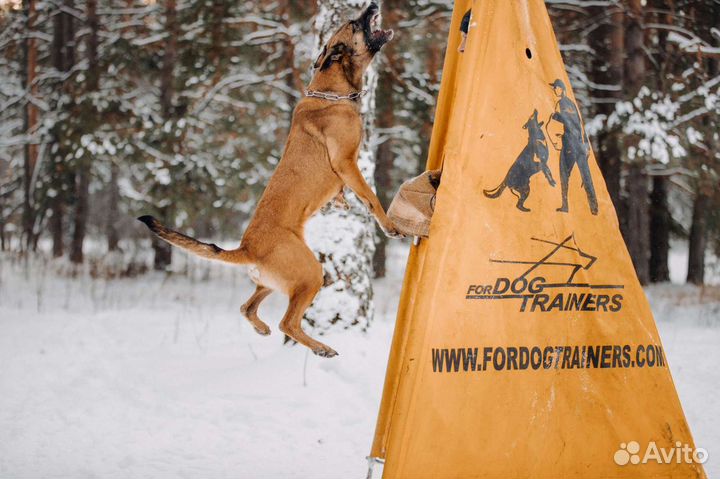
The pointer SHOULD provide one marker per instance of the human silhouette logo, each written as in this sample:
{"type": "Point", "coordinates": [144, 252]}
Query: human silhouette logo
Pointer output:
{"type": "Point", "coordinates": [628, 453]}
{"type": "Point", "coordinates": [573, 146]}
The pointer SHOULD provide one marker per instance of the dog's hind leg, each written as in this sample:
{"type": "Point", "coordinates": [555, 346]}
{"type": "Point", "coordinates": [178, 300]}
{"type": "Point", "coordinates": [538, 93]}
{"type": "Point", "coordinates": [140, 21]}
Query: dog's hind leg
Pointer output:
{"type": "Point", "coordinates": [249, 309]}
{"type": "Point", "coordinates": [291, 267]}
{"type": "Point", "coordinates": [300, 275]}
{"type": "Point", "coordinates": [300, 300]}
{"type": "Point", "coordinates": [522, 195]}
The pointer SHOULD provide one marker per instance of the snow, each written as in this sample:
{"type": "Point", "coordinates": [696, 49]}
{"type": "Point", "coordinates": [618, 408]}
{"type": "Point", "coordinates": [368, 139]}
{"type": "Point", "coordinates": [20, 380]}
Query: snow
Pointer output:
{"type": "Point", "coordinates": [651, 124]}
{"type": "Point", "coordinates": [160, 376]}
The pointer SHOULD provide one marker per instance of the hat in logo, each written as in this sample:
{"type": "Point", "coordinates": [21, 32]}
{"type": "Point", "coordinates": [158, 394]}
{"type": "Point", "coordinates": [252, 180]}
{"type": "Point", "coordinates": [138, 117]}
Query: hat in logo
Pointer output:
{"type": "Point", "coordinates": [558, 84]}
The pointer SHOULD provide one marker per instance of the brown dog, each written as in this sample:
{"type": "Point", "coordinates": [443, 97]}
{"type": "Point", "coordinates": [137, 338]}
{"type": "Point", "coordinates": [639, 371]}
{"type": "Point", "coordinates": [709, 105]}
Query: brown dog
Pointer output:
{"type": "Point", "coordinates": [320, 158]}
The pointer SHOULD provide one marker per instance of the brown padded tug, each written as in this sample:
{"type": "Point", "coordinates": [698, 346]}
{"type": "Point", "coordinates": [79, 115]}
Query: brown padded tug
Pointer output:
{"type": "Point", "coordinates": [412, 208]}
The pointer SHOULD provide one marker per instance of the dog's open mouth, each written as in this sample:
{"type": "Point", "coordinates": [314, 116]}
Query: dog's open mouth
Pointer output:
{"type": "Point", "coordinates": [375, 37]}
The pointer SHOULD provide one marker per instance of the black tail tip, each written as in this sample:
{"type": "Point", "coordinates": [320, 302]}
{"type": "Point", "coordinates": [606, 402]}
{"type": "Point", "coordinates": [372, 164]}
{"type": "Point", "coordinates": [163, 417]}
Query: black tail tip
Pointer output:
{"type": "Point", "coordinates": [148, 220]}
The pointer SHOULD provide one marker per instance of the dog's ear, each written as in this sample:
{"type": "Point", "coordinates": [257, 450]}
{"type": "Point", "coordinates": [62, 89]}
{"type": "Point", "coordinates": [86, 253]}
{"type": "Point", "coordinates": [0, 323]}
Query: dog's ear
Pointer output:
{"type": "Point", "coordinates": [541, 123]}
{"type": "Point", "coordinates": [343, 54]}
{"type": "Point", "coordinates": [316, 65]}
{"type": "Point", "coordinates": [335, 55]}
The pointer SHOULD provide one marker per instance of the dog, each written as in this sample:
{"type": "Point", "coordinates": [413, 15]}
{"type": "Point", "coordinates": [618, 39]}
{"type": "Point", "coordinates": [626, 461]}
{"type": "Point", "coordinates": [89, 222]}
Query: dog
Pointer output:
{"type": "Point", "coordinates": [525, 166]}
{"type": "Point", "coordinates": [320, 158]}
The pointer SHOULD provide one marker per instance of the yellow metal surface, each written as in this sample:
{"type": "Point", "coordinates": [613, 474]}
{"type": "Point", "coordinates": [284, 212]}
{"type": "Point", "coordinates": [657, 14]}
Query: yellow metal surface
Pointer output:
{"type": "Point", "coordinates": [524, 344]}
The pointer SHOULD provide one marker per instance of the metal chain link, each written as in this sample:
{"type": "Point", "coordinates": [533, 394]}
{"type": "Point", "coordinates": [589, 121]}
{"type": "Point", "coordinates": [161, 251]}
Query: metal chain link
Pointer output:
{"type": "Point", "coordinates": [335, 97]}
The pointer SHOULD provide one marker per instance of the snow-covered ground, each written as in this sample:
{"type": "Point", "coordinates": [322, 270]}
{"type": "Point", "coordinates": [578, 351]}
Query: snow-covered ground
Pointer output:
{"type": "Point", "coordinates": [159, 376]}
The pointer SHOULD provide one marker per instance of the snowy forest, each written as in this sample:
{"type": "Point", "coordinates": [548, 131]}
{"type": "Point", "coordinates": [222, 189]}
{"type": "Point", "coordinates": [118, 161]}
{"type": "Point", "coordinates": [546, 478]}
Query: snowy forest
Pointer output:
{"type": "Point", "coordinates": [111, 109]}
{"type": "Point", "coordinates": [181, 109]}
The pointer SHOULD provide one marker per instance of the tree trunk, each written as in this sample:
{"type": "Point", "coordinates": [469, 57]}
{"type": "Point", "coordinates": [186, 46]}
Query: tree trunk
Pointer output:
{"type": "Point", "coordinates": [660, 222]}
{"type": "Point", "coordinates": [163, 254]}
{"type": "Point", "coordinates": [82, 190]}
{"type": "Point", "coordinates": [167, 86]}
{"type": "Point", "coordinates": [385, 120]}
{"type": "Point", "coordinates": [93, 70]}
{"type": "Point", "coordinates": [82, 185]}
{"type": "Point", "coordinates": [344, 240]}
{"type": "Point", "coordinates": [637, 224]}
{"type": "Point", "coordinates": [383, 168]}
{"type": "Point", "coordinates": [698, 240]}
{"type": "Point", "coordinates": [113, 212]}
{"type": "Point", "coordinates": [216, 53]}
{"type": "Point", "coordinates": [288, 12]}
{"type": "Point", "coordinates": [63, 57]}
{"type": "Point", "coordinates": [2, 225]}
{"type": "Point", "coordinates": [162, 250]}
{"type": "Point", "coordinates": [608, 43]}
{"type": "Point", "coordinates": [634, 49]}
{"type": "Point", "coordinates": [30, 121]}
{"type": "Point", "coordinates": [660, 218]}
{"type": "Point", "coordinates": [433, 64]}
{"type": "Point", "coordinates": [707, 185]}
{"type": "Point", "coordinates": [56, 227]}
{"type": "Point", "coordinates": [636, 233]}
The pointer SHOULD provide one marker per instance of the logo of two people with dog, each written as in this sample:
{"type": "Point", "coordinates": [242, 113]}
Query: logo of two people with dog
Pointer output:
{"type": "Point", "coordinates": [574, 148]}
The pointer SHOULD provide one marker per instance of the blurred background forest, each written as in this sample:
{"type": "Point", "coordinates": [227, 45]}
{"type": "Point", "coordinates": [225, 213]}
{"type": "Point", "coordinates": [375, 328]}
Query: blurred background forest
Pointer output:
{"type": "Point", "coordinates": [110, 108]}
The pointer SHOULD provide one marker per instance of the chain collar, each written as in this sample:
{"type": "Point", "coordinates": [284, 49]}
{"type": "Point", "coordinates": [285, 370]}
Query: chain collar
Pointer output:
{"type": "Point", "coordinates": [334, 96]}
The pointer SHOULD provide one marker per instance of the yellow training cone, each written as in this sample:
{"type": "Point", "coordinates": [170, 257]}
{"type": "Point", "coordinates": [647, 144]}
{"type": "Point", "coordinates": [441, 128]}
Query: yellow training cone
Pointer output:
{"type": "Point", "coordinates": [524, 345]}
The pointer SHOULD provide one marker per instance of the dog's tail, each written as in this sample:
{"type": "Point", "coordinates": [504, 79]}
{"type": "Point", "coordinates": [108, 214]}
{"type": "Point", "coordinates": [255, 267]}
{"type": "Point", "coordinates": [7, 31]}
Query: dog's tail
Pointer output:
{"type": "Point", "coordinates": [191, 245]}
{"type": "Point", "coordinates": [496, 192]}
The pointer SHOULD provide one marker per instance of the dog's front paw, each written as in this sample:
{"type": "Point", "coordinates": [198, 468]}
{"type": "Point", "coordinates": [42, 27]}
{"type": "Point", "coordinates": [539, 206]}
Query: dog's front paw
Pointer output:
{"type": "Point", "coordinates": [393, 232]}
{"type": "Point", "coordinates": [340, 203]}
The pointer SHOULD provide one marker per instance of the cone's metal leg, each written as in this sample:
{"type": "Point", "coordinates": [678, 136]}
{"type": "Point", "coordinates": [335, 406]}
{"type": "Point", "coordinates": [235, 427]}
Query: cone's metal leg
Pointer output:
{"type": "Point", "coordinates": [371, 465]}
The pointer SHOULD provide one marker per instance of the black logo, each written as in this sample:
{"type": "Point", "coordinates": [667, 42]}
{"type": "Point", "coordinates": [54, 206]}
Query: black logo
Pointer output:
{"type": "Point", "coordinates": [574, 148]}
{"type": "Point", "coordinates": [525, 166]}
{"type": "Point", "coordinates": [548, 284]}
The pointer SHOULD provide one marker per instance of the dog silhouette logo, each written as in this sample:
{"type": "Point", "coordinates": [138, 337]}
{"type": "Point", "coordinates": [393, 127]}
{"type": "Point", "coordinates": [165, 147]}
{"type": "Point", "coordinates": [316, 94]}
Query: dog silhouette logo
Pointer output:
{"type": "Point", "coordinates": [574, 147]}
{"type": "Point", "coordinates": [533, 159]}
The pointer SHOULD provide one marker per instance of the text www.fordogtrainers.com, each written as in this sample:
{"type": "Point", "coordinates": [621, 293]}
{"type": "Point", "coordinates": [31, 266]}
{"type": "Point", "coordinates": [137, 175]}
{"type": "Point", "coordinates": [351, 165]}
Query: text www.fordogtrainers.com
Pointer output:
{"type": "Point", "coordinates": [534, 358]}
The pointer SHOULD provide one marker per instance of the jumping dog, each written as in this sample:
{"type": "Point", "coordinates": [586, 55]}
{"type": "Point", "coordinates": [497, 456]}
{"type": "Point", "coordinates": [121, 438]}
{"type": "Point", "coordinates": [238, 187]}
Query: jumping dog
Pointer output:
{"type": "Point", "coordinates": [320, 158]}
